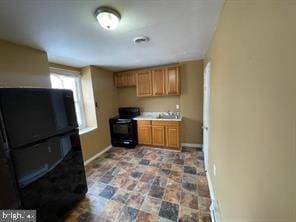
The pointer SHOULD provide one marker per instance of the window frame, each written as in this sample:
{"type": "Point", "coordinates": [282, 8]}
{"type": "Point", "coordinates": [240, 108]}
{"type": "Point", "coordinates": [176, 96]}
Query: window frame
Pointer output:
{"type": "Point", "coordinates": [77, 77]}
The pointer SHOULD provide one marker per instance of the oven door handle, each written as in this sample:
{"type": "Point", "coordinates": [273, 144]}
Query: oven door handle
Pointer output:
{"type": "Point", "coordinates": [122, 122]}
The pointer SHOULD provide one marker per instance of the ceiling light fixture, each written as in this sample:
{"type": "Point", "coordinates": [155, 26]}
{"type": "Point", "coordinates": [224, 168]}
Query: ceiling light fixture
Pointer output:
{"type": "Point", "coordinates": [107, 17]}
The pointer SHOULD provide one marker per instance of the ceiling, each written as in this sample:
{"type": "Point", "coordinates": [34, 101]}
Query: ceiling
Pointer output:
{"type": "Point", "coordinates": [67, 30]}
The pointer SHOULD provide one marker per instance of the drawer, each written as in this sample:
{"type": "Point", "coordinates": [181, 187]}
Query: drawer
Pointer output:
{"type": "Point", "coordinates": [143, 123]}
{"type": "Point", "coordinates": [165, 123]}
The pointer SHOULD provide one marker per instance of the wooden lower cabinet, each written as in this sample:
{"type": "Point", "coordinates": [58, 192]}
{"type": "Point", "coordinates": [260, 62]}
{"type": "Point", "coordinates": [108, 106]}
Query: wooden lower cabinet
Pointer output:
{"type": "Point", "coordinates": [144, 132]}
{"type": "Point", "coordinates": [172, 137]}
{"type": "Point", "coordinates": [144, 135]}
{"type": "Point", "coordinates": [159, 133]}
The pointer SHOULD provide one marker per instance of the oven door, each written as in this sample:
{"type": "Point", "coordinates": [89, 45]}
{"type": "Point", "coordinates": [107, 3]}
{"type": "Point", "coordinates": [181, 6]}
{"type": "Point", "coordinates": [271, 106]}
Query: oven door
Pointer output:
{"type": "Point", "coordinates": [121, 129]}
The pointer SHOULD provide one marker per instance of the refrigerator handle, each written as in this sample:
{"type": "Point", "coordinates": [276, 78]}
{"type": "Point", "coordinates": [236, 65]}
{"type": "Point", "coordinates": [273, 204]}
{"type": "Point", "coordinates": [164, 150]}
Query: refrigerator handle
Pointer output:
{"type": "Point", "coordinates": [3, 135]}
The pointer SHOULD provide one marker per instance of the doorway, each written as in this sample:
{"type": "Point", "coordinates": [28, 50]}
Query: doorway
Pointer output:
{"type": "Point", "coordinates": [206, 109]}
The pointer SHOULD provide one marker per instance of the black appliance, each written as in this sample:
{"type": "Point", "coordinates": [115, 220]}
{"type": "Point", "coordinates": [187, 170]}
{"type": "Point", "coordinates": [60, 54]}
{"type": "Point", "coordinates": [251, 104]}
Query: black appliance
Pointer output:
{"type": "Point", "coordinates": [123, 128]}
{"type": "Point", "coordinates": [40, 154]}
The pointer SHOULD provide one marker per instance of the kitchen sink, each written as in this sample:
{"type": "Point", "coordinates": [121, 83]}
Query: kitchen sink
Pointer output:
{"type": "Point", "coordinates": [168, 117]}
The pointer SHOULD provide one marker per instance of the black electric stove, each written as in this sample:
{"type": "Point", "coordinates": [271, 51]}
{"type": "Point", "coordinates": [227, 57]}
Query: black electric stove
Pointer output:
{"type": "Point", "coordinates": [123, 128]}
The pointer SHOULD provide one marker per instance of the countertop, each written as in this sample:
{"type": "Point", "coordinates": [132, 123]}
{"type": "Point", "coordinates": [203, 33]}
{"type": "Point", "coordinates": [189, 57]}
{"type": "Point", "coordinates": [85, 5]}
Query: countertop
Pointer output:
{"type": "Point", "coordinates": [155, 116]}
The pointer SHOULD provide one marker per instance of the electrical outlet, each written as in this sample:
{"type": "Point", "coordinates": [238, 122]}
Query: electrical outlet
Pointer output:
{"type": "Point", "coordinates": [214, 169]}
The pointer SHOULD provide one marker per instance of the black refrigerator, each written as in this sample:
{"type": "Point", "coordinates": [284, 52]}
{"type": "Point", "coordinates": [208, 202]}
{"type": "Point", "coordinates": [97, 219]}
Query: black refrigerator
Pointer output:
{"type": "Point", "coordinates": [41, 160]}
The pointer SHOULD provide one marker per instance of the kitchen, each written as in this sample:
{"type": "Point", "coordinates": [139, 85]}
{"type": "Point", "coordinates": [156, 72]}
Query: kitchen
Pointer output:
{"type": "Point", "coordinates": [156, 130]}
{"type": "Point", "coordinates": [156, 90]}
{"type": "Point", "coordinates": [139, 125]}
{"type": "Point", "coordinates": [147, 111]}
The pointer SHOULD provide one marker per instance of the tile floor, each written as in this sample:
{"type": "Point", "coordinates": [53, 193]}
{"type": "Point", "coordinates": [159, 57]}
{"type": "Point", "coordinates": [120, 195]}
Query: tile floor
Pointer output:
{"type": "Point", "coordinates": [145, 184]}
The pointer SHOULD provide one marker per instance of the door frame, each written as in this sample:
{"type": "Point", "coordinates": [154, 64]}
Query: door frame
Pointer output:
{"type": "Point", "coordinates": [206, 109]}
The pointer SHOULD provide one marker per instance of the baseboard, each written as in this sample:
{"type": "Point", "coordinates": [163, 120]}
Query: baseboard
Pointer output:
{"type": "Point", "coordinates": [210, 186]}
{"type": "Point", "coordinates": [97, 155]}
{"type": "Point", "coordinates": [214, 208]}
{"type": "Point", "coordinates": [195, 145]}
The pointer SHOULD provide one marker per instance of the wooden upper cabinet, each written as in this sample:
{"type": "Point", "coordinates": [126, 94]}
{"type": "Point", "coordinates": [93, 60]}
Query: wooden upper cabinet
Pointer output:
{"type": "Point", "coordinates": [158, 81]}
{"type": "Point", "coordinates": [118, 79]}
{"type": "Point", "coordinates": [125, 79]}
{"type": "Point", "coordinates": [131, 79]}
{"type": "Point", "coordinates": [172, 80]}
{"type": "Point", "coordinates": [144, 83]}
{"type": "Point", "coordinates": [162, 81]}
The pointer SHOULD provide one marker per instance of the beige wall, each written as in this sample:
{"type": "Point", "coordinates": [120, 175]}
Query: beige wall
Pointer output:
{"type": "Point", "coordinates": [252, 111]}
{"type": "Point", "coordinates": [127, 97]}
{"type": "Point", "coordinates": [106, 96]}
{"type": "Point", "coordinates": [23, 66]}
{"type": "Point", "coordinates": [190, 101]}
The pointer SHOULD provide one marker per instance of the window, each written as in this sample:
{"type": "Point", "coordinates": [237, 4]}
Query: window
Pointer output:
{"type": "Point", "coordinates": [63, 80]}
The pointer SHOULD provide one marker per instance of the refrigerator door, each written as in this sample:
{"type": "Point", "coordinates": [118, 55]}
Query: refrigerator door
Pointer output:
{"type": "Point", "coordinates": [9, 193]}
{"type": "Point", "coordinates": [63, 110]}
{"type": "Point", "coordinates": [51, 176]}
{"type": "Point", "coordinates": [30, 115]}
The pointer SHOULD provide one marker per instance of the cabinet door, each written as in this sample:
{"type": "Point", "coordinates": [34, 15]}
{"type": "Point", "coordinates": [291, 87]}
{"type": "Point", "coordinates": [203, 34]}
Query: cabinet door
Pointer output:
{"type": "Point", "coordinates": [144, 135]}
{"type": "Point", "coordinates": [158, 82]}
{"type": "Point", "coordinates": [158, 135]}
{"type": "Point", "coordinates": [124, 79]}
{"type": "Point", "coordinates": [131, 79]}
{"type": "Point", "coordinates": [144, 86]}
{"type": "Point", "coordinates": [116, 79]}
{"type": "Point", "coordinates": [119, 79]}
{"type": "Point", "coordinates": [172, 137]}
{"type": "Point", "coordinates": [172, 80]}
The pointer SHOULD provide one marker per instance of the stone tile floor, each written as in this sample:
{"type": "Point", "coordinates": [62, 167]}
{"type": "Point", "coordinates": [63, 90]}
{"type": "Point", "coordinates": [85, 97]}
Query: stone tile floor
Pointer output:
{"type": "Point", "coordinates": [145, 184]}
